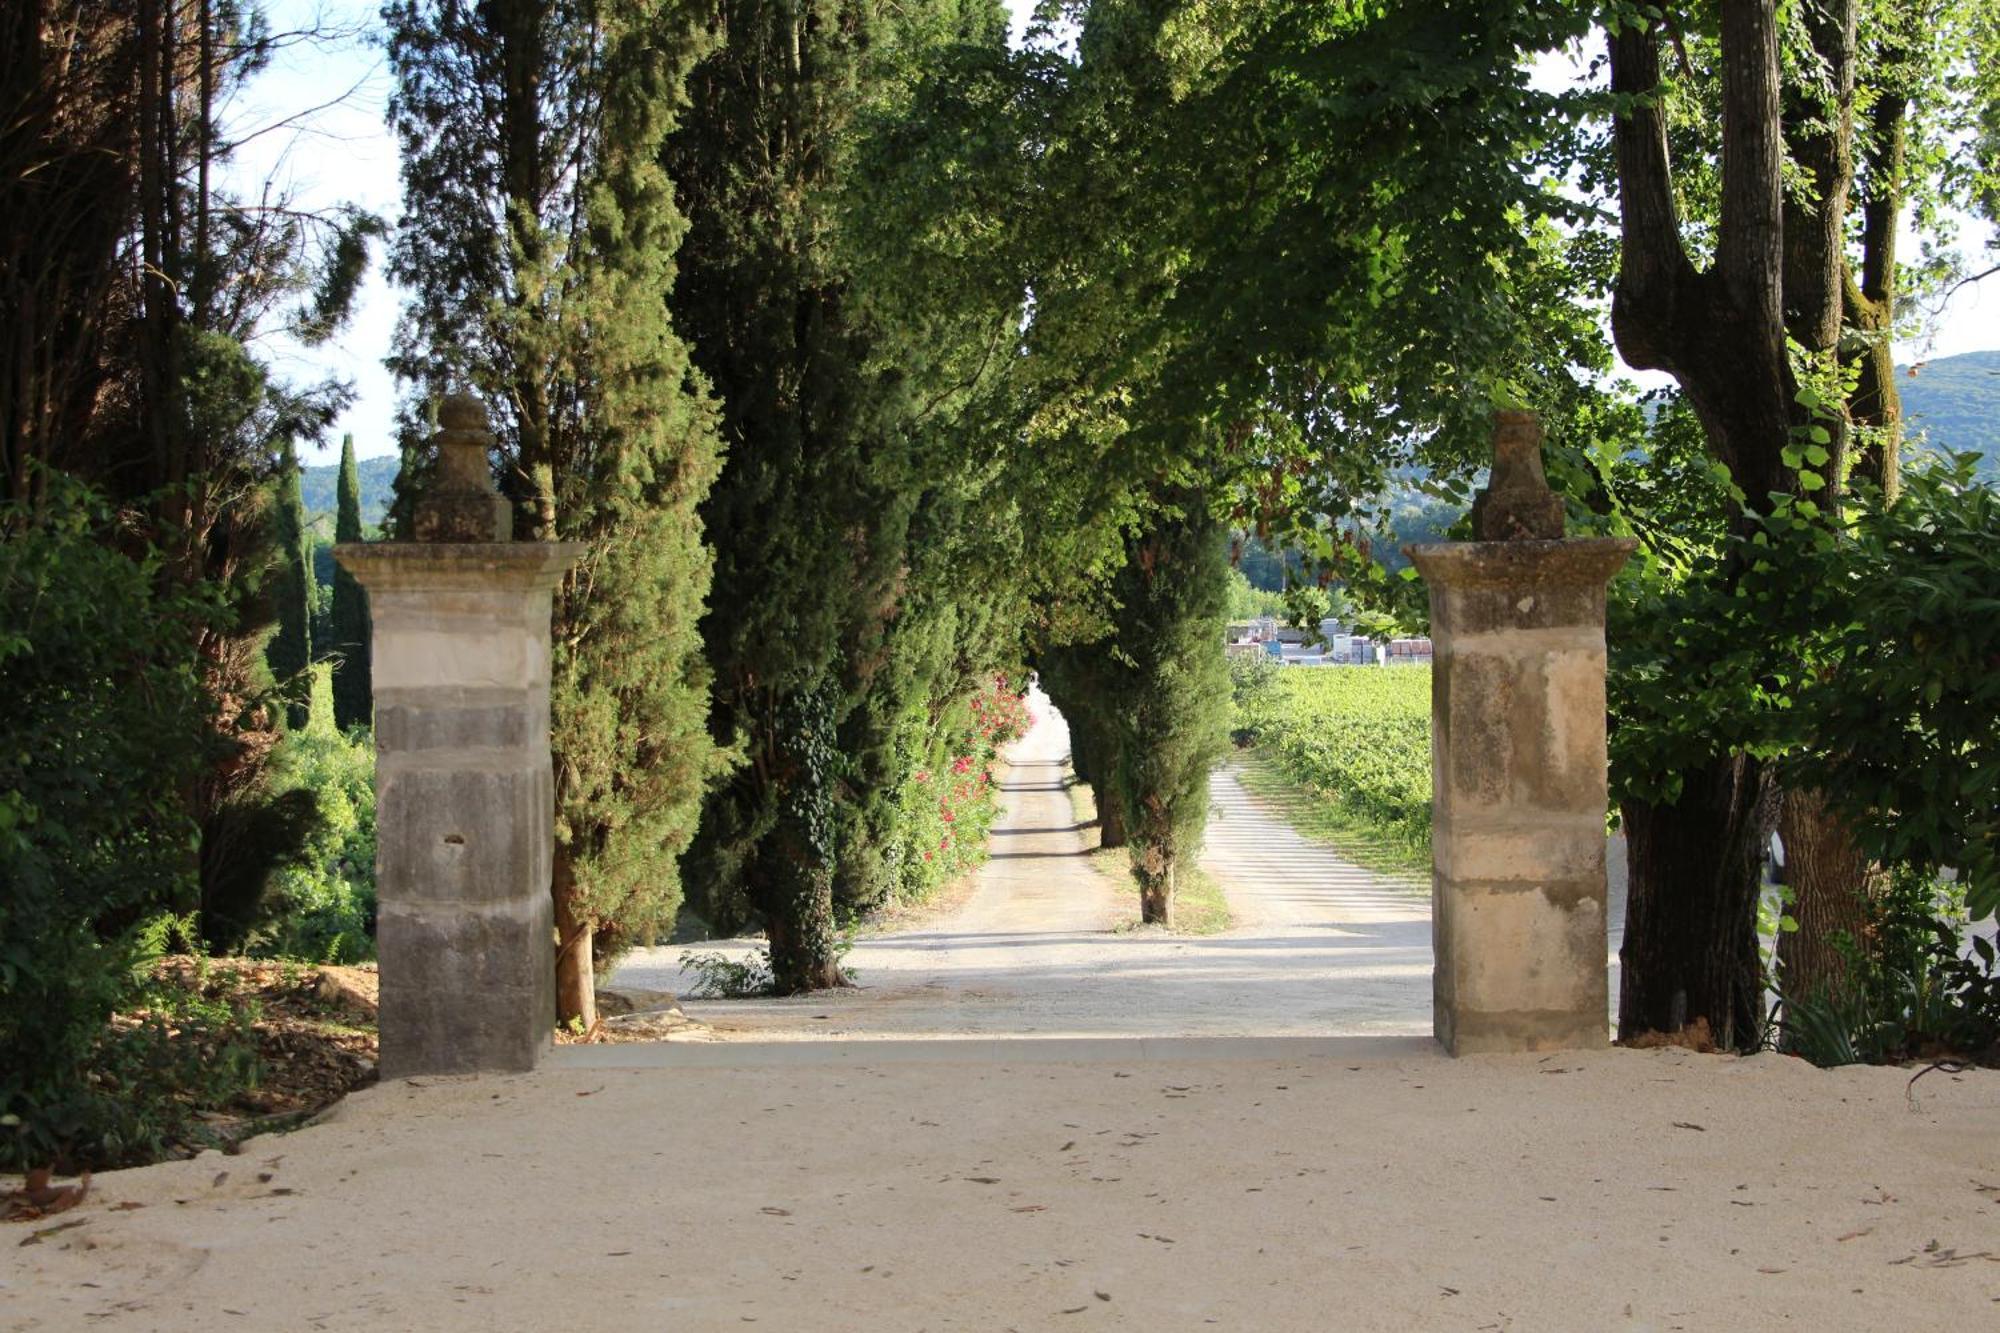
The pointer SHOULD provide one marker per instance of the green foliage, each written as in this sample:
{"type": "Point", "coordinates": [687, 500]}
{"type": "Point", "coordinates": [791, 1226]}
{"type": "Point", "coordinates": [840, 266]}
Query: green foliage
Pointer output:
{"type": "Point", "coordinates": [320, 907]}
{"type": "Point", "coordinates": [1172, 705]}
{"type": "Point", "coordinates": [1253, 685]}
{"type": "Point", "coordinates": [1904, 718]}
{"type": "Point", "coordinates": [173, 1051]}
{"type": "Point", "coordinates": [718, 976]}
{"type": "Point", "coordinates": [1354, 738]}
{"type": "Point", "coordinates": [864, 591]}
{"type": "Point", "coordinates": [375, 477]}
{"type": "Point", "coordinates": [353, 679]}
{"type": "Point", "coordinates": [540, 252]}
{"type": "Point", "coordinates": [290, 650]}
{"type": "Point", "coordinates": [1251, 603]}
{"type": "Point", "coordinates": [96, 752]}
{"type": "Point", "coordinates": [1910, 990]}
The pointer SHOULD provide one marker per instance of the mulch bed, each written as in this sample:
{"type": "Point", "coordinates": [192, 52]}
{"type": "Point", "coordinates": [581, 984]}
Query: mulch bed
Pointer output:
{"type": "Point", "coordinates": [315, 1034]}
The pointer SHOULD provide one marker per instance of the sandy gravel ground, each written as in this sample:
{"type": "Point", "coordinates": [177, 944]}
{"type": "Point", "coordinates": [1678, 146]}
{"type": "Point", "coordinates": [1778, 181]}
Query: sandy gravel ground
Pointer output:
{"type": "Point", "coordinates": [1359, 1184]}
{"type": "Point", "coordinates": [1044, 946]}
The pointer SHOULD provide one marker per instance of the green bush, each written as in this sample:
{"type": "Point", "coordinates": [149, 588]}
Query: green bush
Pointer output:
{"type": "Point", "coordinates": [1357, 738]}
{"type": "Point", "coordinates": [95, 832]}
{"type": "Point", "coordinates": [173, 1051]}
{"type": "Point", "coordinates": [320, 908]}
{"type": "Point", "coordinates": [1911, 989]}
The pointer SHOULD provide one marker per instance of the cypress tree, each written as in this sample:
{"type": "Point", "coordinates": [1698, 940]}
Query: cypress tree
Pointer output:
{"type": "Point", "coordinates": [812, 512]}
{"type": "Point", "coordinates": [544, 286]}
{"type": "Point", "coordinates": [1174, 718]}
{"type": "Point", "coordinates": [353, 687]}
{"type": "Point", "coordinates": [289, 651]}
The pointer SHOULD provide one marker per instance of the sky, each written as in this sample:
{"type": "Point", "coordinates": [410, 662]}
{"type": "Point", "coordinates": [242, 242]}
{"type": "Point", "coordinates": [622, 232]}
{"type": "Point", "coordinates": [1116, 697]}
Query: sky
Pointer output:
{"type": "Point", "coordinates": [331, 145]}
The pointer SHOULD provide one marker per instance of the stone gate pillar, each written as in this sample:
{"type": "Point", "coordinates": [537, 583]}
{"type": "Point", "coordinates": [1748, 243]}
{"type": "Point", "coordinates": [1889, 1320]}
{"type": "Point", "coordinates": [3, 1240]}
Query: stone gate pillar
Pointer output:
{"type": "Point", "coordinates": [463, 788]}
{"type": "Point", "coordinates": [1518, 766]}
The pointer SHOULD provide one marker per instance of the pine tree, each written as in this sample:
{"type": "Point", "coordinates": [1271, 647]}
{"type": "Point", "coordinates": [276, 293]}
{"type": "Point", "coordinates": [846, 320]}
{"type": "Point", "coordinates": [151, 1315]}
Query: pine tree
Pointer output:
{"type": "Point", "coordinates": [543, 284]}
{"type": "Point", "coordinates": [353, 687]}
{"type": "Point", "coordinates": [290, 650]}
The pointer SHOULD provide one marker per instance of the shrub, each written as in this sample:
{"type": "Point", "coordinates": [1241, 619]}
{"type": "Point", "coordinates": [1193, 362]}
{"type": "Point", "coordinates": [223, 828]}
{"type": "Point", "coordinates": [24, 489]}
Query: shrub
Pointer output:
{"type": "Point", "coordinates": [95, 832]}
{"type": "Point", "coordinates": [1910, 989]}
{"type": "Point", "coordinates": [320, 908]}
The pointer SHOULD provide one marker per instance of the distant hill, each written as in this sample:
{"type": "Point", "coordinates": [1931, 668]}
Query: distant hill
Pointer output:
{"type": "Point", "coordinates": [1955, 403]}
{"type": "Point", "coordinates": [378, 479]}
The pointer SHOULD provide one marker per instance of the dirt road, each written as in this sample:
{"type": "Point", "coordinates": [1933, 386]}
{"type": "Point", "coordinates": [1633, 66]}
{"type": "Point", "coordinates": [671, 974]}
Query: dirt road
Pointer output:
{"type": "Point", "coordinates": [1045, 946]}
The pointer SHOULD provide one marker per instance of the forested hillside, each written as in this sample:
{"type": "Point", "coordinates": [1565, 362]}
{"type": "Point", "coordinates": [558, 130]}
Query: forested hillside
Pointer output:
{"type": "Point", "coordinates": [378, 486]}
{"type": "Point", "coordinates": [1955, 402]}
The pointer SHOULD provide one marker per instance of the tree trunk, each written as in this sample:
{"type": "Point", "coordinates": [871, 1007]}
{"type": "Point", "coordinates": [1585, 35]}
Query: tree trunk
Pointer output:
{"type": "Point", "coordinates": [1695, 869]}
{"type": "Point", "coordinates": [1870, 295]}
{"type": "Point", "coordinates": [576, 979]}
{"type": "Point", "coordinates": [1831, 883]}
{"type": "Point", "coordinates": [1690, 950]}
{"type": "Point", "coordinates": [803, 957]}
{"type": "Point", "coordinates": [1156, 893]}
{"type": "Point", "coordinates": [1110, 817]}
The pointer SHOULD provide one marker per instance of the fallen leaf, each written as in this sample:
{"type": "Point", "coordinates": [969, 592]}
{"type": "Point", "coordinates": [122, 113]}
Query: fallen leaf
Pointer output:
{"type": "Point", "coordinates": [1689, 1124]}
{"type": "Point", "coordinates": [984, 1180]}
{"type": "Point", "coordinates": [776, 1212]}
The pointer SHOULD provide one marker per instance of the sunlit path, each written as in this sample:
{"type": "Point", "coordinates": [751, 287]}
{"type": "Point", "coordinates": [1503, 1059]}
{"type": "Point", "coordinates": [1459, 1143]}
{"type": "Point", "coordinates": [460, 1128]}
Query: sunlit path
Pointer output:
{"type": "Point", "coordinates": [1045, 946]}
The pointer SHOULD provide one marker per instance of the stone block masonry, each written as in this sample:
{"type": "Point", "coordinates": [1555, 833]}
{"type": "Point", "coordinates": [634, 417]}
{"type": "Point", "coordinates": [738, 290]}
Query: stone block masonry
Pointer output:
{"type": "Point", "coordinates": [1519, 768]}
{"type": "Point", "coordinates": [464, 800]}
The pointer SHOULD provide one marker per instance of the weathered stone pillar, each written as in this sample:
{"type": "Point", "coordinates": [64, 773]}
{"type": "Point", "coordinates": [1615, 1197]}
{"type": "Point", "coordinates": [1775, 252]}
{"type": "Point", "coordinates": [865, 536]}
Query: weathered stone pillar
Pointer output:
{"type": "Point", "coordinates": [1518, 766]}
{"type": "Point", "coordinates": [463, 787]}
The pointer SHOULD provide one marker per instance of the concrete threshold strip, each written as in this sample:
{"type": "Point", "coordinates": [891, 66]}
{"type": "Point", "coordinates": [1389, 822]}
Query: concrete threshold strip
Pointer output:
{"type": "Point", "coordinates": [988, 1051]}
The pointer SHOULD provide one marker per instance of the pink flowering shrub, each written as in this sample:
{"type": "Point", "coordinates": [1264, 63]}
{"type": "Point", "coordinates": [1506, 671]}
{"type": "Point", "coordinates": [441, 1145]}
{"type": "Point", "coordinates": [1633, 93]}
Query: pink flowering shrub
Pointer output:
{"type": "Point", "coordinates": [949, 801]}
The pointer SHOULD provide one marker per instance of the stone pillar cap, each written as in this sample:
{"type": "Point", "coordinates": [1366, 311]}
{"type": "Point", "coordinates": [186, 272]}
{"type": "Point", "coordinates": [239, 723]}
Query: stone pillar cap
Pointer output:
{"type": "Point", "coordinates": [389, 566]}
{"type": "Point", "coordinates": [1513, 564]}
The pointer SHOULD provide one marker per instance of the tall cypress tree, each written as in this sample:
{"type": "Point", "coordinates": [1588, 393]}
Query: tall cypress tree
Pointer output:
{"type": "Point", "coordinates": [289, 651]}
{"type": "Point", "coordinates": [824, 475]}
{"type": "Point", "coordinates": [353, 684]}
{"type": "Point", "coordinates": [1174, 707]}
{"type": "Point", "coordinates": [539, 251]}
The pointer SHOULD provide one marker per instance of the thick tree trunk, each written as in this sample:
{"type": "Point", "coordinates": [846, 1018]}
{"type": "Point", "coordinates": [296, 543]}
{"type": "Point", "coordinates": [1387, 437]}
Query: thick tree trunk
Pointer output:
{"type": "Point", "coordinates": [1831, 883]}
{"type": "Point", "coordinates": [576, 978]}
{"type": "Point", "coordinates": [1690, 950]}
{"type": "Point", "coordinates": [1695, 869]}
{"type": "Point", "coordinates": [803, 957]}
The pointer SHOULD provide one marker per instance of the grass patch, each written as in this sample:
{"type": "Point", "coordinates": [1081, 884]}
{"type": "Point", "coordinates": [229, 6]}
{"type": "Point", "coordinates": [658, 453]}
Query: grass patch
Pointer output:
{"type": "Point", "coordinates": [1387, 849]}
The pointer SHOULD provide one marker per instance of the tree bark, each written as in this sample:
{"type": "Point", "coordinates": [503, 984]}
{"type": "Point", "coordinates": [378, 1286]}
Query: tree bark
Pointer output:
{"type": "Point", "coordinates": [1156, 894]}
{"type": "Point", "coordinates": [576, 976]}
{"type": "Point", "coordinates": [1870, 295]}
{"type": "Point", "coordinates": [1690, 951]}
{"type": "Point", "coordinates": [1110, 818]}
{"type": "Point", "coordinates": [1819, 133]}
{"type": "Point", "coordinates": [1831, 884]}
{"type": "Point", "coordinates": [1695, 870]}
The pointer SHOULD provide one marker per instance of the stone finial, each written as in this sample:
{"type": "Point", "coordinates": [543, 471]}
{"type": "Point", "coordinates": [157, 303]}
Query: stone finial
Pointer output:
{"type": "Point", "coordinates": [1517, 504]}
{"type": "Point", "coordinates": [461, 503]}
